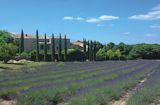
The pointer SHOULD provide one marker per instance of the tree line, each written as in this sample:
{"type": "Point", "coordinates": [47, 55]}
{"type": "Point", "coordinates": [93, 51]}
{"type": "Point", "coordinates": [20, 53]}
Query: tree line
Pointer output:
{"type": "Point", "coordinates": [92, 50]}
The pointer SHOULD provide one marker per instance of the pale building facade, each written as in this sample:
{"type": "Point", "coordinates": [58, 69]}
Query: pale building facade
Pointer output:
{"type": "Point", "coordinates": [30, 42]}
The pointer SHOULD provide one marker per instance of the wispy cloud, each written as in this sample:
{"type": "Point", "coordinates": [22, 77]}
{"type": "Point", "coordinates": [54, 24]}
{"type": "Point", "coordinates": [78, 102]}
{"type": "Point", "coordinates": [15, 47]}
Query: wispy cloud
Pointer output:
{"type": "Point", "coordinates": [68, 18]}
{"type": "Point", "coordinates": [151, 35]}
{"type": "Point", "coordinates": [92, 19]}
{"type": "Point", "coordinates": [153, 14]}
{"type": "Point", "coordinates": [155, 26]}
{"type": "Point", "coordinates": [79, 18]}
{"type": "Point", "coordinates": [126, 33]}
{"type": "Point", "coordinates": [106, 17]}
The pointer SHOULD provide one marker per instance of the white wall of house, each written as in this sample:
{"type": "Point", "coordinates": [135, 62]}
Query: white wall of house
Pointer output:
{"type": "Point", "coordinates": [30, 44]}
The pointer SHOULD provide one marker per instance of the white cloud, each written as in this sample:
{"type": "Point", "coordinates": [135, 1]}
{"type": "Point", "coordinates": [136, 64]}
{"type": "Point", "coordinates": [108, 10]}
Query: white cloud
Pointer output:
{"type": "Point", "coordinates": [155, 26]}
{"type": "Point", "coordinates": [106, 17]}
{"type": "Point", "coordinates": [92, 20]}
{"type": "Point", "coordinates": [153, 14]}
{"type": "Point", "coordinates": [79, 18]}
{"type": "Point", "coordinates": [150, 35]}
{"type": "Point", "coordinates": [127, 33]}
{"type": "Point", "coordinates": [68, 18]}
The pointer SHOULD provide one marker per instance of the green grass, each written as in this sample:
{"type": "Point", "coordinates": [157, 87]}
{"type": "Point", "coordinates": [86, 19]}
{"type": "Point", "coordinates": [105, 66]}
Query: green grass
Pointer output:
{"type": "Point", "coordinates": [20, 66]}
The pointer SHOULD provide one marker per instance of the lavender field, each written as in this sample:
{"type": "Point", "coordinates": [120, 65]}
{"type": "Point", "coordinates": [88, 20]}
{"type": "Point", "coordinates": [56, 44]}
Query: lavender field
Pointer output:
{"type": "Point", "coordinates": [83, 83]}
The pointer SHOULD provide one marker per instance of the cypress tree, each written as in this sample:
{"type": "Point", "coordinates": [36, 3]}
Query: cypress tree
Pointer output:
{"type": "Point", "coordinates": [60, 48]}
{"type": "Point", "coordinates": [91, 51]}
{"type": "Point", "coordinates": [65, 48]}
{"type": "Point", "coordinates": [37, 46]}
{"type": "Point", "coordinates": [22, 42]}
{"type": "Point", "coordinates": [45, 48]}
{"type": "Point", "coordinates": [53, 48]}
{"type": "Point", "coordinates": [84, 46]}
{"type": "Point", "coordinates": [88, 55]}
{"type": "Point", "coordinates": [94, 51]}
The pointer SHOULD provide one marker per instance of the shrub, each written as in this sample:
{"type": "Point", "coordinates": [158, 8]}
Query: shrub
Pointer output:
{"type": "Point", "coordinates": [25, 55]}
{"type": "Point", "coordinates": [75, 55]}
{"type": "Point", "coordinates": [7, 51]}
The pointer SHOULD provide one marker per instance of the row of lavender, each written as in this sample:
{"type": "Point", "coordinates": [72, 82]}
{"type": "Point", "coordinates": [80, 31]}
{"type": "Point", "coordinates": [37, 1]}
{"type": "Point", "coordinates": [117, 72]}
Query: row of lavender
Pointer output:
{"type": "Point", "coordinates": [74, 82]}
{"type": "Point", "coordinates": [112, 84]}
{"type": "Point", "coordinates": [149, 92]}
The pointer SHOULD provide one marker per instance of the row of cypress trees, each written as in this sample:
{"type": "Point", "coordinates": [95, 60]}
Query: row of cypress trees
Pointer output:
{"type": "Point", "coordinates": [53, 52]}
{"type": "Point", "coordinates": [89, 48]}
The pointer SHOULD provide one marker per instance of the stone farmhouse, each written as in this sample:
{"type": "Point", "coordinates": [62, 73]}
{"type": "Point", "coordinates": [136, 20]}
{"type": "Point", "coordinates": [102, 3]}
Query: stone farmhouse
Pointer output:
{"type": "Point", "coordinates": [30, 42]}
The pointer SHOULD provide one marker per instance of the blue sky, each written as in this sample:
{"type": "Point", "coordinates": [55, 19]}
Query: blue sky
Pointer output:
{"type": "Point", "coordinates": [129, 21]}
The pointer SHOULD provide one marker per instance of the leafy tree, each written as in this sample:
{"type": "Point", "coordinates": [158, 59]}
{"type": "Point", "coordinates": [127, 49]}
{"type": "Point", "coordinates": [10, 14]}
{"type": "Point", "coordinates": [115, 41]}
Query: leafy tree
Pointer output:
{"type": "Point", "coordinates": [98, 46]}
{"type": "Point", "coordinates": [125, 49]}
{"type": "Point", "coordinates": [145, 51]}
{"type": "Point", "coordinates": [37, 46]}
{"type": "Point", "coordinates": [53, 48]}
{"type": "Point", "coordinates": [45, 48]}
{"type": "Point", "coordinates": [7, 51]}
{"type": "Point", "coordinates": [22, 42]}
{"type": "Point", "coordinates": [101, 54]}
{"type": "Point", "coordinates": [109, 46]}
{"type": "Point", "coordinates": [6, 37]}
{"type": "Point", "coordinates": [110, 54]}
{"type": "Point", "coordinates": [118, 54]}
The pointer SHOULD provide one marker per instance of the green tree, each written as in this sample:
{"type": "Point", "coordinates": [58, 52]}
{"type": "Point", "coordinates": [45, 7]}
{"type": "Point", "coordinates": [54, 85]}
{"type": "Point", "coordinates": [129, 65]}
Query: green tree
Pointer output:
{"type": "Point", "coordinates": [110, 54]}
{"type": "Point", "coordinates": [101, 54]}
{"type": "Point", "coordinates": [22, 42]}
{"type": "Point", "coordinates": [7, 51]}
{"type": "Point", "coordinates": [65, 48]}
{"type": "Point", "coordinates": [110, 45]}
{"type": "Point", "coordinates": [88, 50]}
{"type": "Point", "coordinates": [84, 47]}
{"type": "Point", "coordinates": [37, 46]}
{"type": "Point", "coordinates": [145, 51]}
{"type": "Point", "coordinates": [118, 54]}
{"type": "Point", "coordinates": [45, 48]}
{"type": "Point", "coordinates": [6, 37]}
{"type": "Point", "coordinates": [75, 55]}
{"type": "Point", "coordinates": [53, 48]}
{"type": "Point", "coordinates": [60, 48]}
{"type": "Point", "coordinates": [94, 51]}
